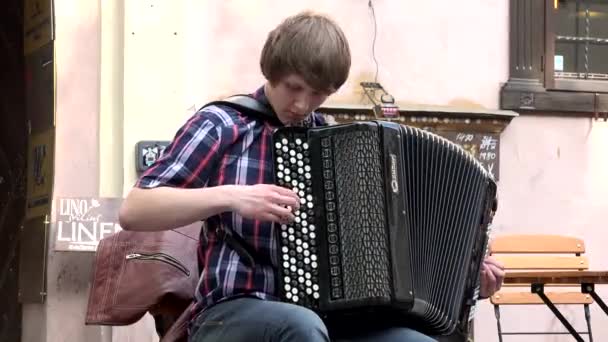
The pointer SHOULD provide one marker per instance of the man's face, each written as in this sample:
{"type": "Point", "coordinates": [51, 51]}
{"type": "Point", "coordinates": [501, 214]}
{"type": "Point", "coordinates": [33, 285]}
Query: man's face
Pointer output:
{"type": "Point", "coordinates": [293, 99]}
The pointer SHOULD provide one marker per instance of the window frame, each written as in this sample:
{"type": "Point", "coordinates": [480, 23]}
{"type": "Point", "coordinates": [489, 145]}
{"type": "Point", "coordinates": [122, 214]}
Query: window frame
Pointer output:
{"type": "Point", "coordinates": [552, 83]}
{"type": "Point", "coordinates": [532, 87]}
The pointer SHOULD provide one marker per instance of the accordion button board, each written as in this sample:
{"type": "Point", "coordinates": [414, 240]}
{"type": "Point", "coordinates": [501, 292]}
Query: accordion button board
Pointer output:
{"type": "Point", "coordinates": [393, 224]}
{"type": "Point", "coordinates": [299, 251]}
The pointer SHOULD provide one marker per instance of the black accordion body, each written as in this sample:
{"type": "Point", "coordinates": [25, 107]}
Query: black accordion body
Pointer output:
{"type": "Point", "coordinates": [392, 226]}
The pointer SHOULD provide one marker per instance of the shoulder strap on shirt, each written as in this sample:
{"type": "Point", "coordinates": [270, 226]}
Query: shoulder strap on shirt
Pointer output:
{"type": "Point", "coordinates": [249, 106]}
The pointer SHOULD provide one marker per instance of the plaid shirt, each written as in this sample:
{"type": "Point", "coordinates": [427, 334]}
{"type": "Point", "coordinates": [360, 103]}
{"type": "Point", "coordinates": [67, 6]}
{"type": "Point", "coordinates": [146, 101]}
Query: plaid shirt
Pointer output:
{"type": "Point", "coordinates": [219, 146]}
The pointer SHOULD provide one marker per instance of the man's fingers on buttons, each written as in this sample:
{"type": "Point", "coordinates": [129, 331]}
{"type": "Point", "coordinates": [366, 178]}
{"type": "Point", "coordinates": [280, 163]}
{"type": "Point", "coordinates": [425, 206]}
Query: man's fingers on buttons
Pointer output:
{"type": "Point", "coordinates": [284, 191]}
{"type": "Point", "coordinates": [288, 201]}
{"type": "Point", "coordinates": [282, 212]}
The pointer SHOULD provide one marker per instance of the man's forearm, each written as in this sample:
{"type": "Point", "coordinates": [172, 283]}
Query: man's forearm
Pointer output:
{"type": "Point", "coordinates": [166, 208]}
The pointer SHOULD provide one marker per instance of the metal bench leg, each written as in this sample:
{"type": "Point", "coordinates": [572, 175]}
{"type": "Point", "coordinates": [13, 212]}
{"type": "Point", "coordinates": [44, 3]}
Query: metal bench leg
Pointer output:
{"type": "Point", "coordinates": [590, 289]}
{"type": "Point", "coordinates": [588, 319]}
{"type": "Point", "coordinates": [539, 289]}
{"type": "Point", "coordinates": [497, 314]}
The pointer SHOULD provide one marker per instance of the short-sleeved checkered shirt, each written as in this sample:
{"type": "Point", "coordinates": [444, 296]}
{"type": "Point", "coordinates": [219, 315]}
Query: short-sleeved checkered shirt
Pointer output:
{"type": "Point", "coordinates": [219, 146]}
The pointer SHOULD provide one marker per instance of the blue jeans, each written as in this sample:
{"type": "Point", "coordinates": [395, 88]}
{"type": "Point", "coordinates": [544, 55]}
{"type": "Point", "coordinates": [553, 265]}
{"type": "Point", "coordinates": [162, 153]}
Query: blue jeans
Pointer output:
{"type": "Point", "coordinates": [250, 319]}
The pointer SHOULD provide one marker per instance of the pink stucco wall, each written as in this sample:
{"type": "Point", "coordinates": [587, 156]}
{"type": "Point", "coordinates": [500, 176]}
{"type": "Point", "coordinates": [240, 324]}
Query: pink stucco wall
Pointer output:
{"type": "Point", "coordinates": [553, 170]}
{"type": "Point", "coordinates": [432, 52]}
{"type": "Point", "coordinates": [553, 181]}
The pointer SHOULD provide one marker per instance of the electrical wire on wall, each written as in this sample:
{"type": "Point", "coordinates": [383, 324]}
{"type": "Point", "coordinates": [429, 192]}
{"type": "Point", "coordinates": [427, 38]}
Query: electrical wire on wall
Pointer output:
{"type": "Point", "coordinates": [373, 15]}
{"type": "Point", "coordinates": [385, 105]}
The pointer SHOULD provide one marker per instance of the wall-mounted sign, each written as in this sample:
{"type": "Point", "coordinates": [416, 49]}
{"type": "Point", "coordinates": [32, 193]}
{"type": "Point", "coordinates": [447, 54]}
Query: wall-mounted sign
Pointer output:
{"type": "Point", "coordinates": [40, 173]}
{"type": "Point", "coordinates": [80, 223]}
{"type": "Point", "coordinates": [148, 152]}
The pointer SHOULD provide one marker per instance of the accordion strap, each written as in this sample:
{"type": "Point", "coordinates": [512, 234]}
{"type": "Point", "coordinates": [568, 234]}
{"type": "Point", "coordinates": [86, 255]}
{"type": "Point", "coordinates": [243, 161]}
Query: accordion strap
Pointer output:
{"type": "Point", "coordinates": [249, 106]}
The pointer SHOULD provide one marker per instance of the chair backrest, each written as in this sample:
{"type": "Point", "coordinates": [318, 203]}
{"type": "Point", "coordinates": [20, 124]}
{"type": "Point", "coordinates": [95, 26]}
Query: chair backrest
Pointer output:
{"type": "Point", "coordinates": [535, 252]}
{"type": "Point", "coordinates": [540, 252]}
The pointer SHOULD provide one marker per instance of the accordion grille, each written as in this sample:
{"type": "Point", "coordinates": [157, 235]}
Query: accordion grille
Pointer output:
{"type": "Point", "coordinates": [361, 212]}
{"type": "Point", "coordinates": [446, 190]}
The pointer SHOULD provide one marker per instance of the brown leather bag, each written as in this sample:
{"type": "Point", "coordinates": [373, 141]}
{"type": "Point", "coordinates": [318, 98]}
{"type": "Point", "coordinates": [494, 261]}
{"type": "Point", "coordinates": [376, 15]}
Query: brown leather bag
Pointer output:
{"type": "Point", "coordinates": [140, 272]}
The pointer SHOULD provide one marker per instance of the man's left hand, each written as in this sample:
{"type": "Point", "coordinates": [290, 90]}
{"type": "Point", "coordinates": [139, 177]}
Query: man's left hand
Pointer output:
{"type": "Point", "coordinates": [492, 276]}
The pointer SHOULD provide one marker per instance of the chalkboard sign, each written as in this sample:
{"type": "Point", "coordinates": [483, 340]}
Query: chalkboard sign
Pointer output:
{"type": "Point", "coordinates": [483, 146]}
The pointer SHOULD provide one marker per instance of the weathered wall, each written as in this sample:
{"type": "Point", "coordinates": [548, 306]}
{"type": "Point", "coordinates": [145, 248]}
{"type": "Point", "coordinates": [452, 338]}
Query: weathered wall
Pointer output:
{"type": "Point", "coordinates": [61, 317]}
{"type": "Point", "coordinates": [174, 55]}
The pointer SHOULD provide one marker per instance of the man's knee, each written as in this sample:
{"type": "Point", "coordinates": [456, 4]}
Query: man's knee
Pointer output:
{"type": "Point", "coordinates": [300, 324]}
{"type": "Point", "coordinates": [403, 334]}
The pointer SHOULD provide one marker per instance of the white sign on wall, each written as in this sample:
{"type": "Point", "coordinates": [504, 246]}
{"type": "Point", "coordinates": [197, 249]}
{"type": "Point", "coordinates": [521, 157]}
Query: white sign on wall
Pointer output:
{"type": "Point", "coordinates": [80, 223]}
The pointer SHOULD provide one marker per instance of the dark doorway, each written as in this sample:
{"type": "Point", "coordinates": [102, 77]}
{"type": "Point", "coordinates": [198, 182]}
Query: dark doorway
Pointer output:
{"type": "Point", "coordinates": [13, 156]}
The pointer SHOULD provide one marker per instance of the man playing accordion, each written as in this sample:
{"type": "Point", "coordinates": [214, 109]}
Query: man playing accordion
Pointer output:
{"type": "Point", "coordinates": [218, 168]}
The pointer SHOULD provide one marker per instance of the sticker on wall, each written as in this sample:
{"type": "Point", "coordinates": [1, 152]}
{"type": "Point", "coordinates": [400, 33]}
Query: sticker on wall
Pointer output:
{"type": "Point", "coordinates": [558, 63]}
{"type": "Point", "coordinates": [148, 152]}
{"type": "Point", "coordinates": [40, 172]}
{"type": "Point", "coordinates": [80, 223]}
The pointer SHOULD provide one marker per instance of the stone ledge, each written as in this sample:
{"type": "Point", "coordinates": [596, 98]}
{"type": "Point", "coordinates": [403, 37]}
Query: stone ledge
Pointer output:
{"type": "Point", "coordinates": [434, 118]}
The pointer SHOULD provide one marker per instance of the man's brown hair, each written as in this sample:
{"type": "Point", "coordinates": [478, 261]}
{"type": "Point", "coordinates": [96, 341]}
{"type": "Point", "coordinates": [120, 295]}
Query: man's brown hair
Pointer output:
{"type": "Point", "coordinates": [311, 46]}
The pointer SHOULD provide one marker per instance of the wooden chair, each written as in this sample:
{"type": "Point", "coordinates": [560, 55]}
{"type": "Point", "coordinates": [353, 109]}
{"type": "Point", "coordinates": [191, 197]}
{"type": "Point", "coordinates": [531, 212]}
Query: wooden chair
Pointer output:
{"type": "Point", "coordinates": [541, 253]}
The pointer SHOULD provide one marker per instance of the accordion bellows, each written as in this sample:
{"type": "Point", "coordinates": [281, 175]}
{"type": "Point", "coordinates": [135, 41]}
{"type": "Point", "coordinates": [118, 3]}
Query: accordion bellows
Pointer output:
{"type": "Point", "coordinates": [393, 224]}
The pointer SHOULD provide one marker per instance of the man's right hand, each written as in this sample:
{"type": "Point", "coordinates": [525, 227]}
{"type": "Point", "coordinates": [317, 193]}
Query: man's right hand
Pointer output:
{"type": "Point", "coordinates": [164, 208]}
{"type": "Point", "coordinates": [265, 202]}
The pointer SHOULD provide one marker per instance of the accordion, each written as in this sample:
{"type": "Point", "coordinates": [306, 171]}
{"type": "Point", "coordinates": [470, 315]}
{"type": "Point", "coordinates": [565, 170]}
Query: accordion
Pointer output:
{"type": "Point", "coordinates": [393, 224]}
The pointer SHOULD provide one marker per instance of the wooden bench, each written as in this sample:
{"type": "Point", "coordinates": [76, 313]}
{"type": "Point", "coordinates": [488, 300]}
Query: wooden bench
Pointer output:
{"type": "Point", "coordinates": [538, 256]}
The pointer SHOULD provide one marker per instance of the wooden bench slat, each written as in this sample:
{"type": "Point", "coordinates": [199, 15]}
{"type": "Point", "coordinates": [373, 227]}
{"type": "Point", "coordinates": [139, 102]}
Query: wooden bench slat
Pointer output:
{"type": "Point", "coordinates": [527, 285]}
{"type": "Point", "coordinates": [521, 298]}
{"type": "Point", "coordinates": [543, 262]}
{"type": "Point", "coordinates": [530, 243]}
{"type": "Point", "coordinates": [553, 277]}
